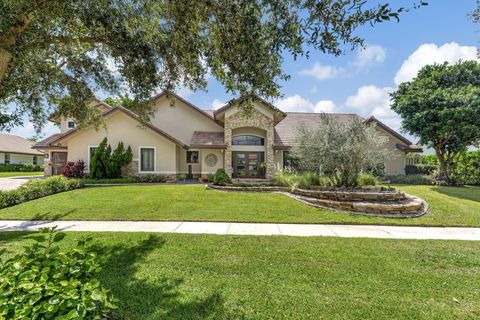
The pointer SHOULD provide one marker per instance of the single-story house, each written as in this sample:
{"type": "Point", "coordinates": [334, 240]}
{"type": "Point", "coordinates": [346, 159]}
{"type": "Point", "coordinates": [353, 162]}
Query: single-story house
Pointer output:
{"type": "Point", "coordinates": [182, 138]}
{"type": "Point", "coordinates": [15, 149]}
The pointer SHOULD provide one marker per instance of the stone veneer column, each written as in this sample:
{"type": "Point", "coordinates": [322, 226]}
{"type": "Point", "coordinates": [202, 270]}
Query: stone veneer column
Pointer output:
{"type": "Point", "coordinates": [255, 120]}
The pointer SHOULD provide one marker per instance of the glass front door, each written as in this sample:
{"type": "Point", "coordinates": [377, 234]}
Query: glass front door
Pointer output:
{"type": "Point", "coordinates": [248, 164]}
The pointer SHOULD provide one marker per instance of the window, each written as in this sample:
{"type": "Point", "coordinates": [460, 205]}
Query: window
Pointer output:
{"type": "Point", "coordinates": [7, 158]}
{"type": "Point", "coordinates": [147, 159]}
{"type": "Point", "coordinates": [35, 160]}
{"type": "Point", "coordinates": [71, 124]}
{"type": "Point", "coordinates": [248, 141]}
{"type": "Point", "coordinates": [192, 156]}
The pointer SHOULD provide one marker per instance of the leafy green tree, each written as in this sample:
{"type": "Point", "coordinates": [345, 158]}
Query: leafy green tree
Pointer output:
{"type": "Point", "coordinates": [107, 164]}
{"type": "Point", "coordinates": [442, 106]}
{"type": "Point", "coordinates": [340, 150]}
{"type": "Point", "coordinates": [54, 54]}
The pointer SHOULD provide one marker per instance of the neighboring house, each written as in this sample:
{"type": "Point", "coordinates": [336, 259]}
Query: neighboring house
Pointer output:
{"type": "Point", "coordinates": [182, 138]}
{"type": "Point", "coordinates": [15, 149]}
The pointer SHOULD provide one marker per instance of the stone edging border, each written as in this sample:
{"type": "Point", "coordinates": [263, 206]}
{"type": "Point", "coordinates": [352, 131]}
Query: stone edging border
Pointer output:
{"type": "Point", "coordinates": [287, 192]}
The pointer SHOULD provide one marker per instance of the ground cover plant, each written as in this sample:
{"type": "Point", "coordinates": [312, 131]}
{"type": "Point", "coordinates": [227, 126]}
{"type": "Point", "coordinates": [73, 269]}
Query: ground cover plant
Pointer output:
{"type": "Point", "coordinates": [44, 282]}
{"type": "Point", "coordinates": [449, 206]}
{"type": "Point", "coordinates": [182, 276]}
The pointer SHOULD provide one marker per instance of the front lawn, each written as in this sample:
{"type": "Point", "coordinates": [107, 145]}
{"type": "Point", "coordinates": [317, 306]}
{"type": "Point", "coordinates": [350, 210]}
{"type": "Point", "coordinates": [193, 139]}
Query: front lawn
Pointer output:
{"type": "Point", "coordinates": [449, 206]}
{"type": "Point", "coordinates": [175, 276]}
{"type": "Point", "coordinates": [20, 174]}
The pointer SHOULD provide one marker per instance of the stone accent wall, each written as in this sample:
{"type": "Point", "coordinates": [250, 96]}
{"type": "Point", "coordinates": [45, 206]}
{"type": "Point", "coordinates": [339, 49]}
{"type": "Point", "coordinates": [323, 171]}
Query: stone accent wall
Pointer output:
{"type": "Point", "coordinates": [47, 168]}
{"type": "Point", "coordinates": [131, 169]}
{"type": "Point", "coordinates": [353, 196]}
{"type": "Point", "coordinates": [256, 119]}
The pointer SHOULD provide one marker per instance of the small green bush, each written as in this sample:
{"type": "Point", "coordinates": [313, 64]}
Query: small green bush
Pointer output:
{"type": "Point", "coordinates": [45, 282]}
{"type": "Point", "coordinates": [107, 164]}
{"type": "Point", "coordinates": [221, 178]}
{"type": "Point", "coordinates": [411, 179]}
{"type": "Point", "coordinates": [367, 179]}
{"type": "Point", "coordinates": [151, 178]}
{"type": "Point", "coordinates": [426, 169]}
{"type": "Point", "coordinates": [307, 179]}
{"type": "Point", "coordinates": [303, 180]}
{"type": "Point", "coordinates": [210, 177]}
{"type": "Point", "coordinates": [37, 188]}
{"type": "Point", "coordinates": [20, 167]}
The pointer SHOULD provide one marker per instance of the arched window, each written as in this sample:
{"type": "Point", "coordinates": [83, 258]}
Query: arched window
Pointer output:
{"type": "Point", "coordinates": [247, 140]}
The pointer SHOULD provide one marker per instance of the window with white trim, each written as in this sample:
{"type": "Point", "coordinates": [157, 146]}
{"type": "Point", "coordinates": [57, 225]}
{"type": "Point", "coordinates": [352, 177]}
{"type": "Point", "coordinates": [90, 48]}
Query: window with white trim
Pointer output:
{"type": "Point", "coordinates": [147, 159]}
{"type": "Point", "coordinates": [35, 160]}
{"type": "Point", "coordinates": [7, 158]}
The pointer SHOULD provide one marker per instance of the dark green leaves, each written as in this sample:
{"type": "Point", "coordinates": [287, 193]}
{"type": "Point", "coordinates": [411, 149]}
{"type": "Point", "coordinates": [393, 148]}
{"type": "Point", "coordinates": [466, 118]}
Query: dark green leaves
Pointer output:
{"type": "Point", "coordinates": [48, 283]}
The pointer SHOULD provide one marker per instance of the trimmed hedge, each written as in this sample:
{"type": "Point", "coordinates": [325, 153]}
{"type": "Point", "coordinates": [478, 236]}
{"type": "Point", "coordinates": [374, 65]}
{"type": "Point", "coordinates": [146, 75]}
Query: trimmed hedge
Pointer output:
{"type": "Point", "coordinates": [221, 178]}
{"type": "Point", "coordinates": [37, 188]}
{"type": "Point", "coordinates": [417, 179]}
{"type": "Point", "coordinates": [20, 167]}
{"type": "Point", "coordinates": [426, 169]}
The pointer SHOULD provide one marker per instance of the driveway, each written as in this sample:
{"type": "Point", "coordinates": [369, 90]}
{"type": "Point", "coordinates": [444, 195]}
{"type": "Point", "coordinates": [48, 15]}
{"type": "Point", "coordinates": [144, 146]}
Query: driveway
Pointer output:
{"type": "Point", "coordinates": [13, 182]}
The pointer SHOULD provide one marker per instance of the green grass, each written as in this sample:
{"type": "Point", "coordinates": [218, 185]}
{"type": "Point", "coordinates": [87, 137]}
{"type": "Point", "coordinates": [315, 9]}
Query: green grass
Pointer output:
{"type": "Point", "coordinates": [174, 276]}
{"type": "Point", "coordinates": [449, 206]}
{"type": "Point", "coordinates": [19, 174]}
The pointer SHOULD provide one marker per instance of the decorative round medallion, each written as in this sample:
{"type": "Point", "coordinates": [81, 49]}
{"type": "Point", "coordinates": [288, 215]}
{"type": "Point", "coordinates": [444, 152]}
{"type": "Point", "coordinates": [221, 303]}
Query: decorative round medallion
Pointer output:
{"type": "Point", "coordinates": [211, 160]}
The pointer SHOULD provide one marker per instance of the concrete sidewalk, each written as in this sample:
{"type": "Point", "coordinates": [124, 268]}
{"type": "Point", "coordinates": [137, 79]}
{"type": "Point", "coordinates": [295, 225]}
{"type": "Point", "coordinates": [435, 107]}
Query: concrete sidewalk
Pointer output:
{"type": "Point", "coordinates": [267, 229]}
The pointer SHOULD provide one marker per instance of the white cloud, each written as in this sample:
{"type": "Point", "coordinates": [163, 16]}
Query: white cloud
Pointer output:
{"type": "Point", "coordinates": [297, 103]}
{"type": "Point", "coordinates": [430, 53]}
{"type": "Point", "coordinates": [322, 72]}
{"type": "Point", "coordinates": [372, 54]}
{"type": "Point", "coordinates": [326, 106]}
{"type": "Point", "coordinates": [374, 101]}
{"type": "Point", "coordinates": [217, 104]}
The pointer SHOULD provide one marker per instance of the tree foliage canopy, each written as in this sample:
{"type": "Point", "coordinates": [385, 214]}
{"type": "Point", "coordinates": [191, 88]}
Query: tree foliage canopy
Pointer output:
{"type": "Point", "coordinates": [55, 54]}
{"type": "Point", "coordinates": [340, 150]}
{"type": "Point", "coordinates": [442, 106]}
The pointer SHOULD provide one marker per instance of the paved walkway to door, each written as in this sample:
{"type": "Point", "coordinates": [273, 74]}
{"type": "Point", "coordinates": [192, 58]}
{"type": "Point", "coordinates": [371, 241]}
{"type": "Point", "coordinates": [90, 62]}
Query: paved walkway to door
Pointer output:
{"type": "Point", "coordinates": [266, 229]}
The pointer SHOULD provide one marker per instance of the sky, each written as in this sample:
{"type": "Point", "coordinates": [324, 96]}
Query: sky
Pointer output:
{"type": "Point", "coordinates": [360, 81]}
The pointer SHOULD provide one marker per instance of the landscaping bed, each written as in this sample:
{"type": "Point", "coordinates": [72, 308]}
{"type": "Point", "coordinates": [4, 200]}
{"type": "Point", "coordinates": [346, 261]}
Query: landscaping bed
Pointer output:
{"type": "Point", "coordinates": [389, 203]}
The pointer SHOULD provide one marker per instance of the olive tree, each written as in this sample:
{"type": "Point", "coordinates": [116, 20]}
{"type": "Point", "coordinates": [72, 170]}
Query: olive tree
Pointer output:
{"type": "Point", "coordinates": [442, 107]}
{"type": "Point", "coordinates": [55, 54]}
{"type": "Point", "coordinates": [340, 149]}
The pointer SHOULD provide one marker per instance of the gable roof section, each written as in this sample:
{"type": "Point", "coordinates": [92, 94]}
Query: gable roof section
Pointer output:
{"type": "Point", "coordinates": [10, 143]}
{"type": "Point", "coordinates": [55, 117]}
{"type": "Point", "coordinates": [270, 106]}
{"type": "Point", "coordinates": [52, 140]}
{"type": "Point", "coordinates": [189, 104]}
{"type": "Point", "coordinates": [409, 147]}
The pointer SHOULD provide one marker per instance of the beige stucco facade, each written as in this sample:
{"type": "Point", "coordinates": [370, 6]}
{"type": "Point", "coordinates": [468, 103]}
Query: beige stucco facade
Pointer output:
{"type": "Point", "coordinates": [170, 133]}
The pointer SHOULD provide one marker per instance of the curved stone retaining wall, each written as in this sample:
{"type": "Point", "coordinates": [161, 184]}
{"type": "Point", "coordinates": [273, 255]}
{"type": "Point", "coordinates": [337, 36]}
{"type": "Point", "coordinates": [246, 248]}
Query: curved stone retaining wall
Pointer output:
{"type": "Point", "coordinates": [378, 203]}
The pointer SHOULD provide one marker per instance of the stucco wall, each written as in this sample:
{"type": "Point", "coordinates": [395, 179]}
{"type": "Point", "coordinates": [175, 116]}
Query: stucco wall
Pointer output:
{"type": "Point", "coordinates": [396, 164]}
{"type": "Point", "coordinates": [180, 120]}
{"type": "Point", "coordinates": [122, 128]}
{"type": "Point", "coordinates": [16, 158]}
{"type": "Point", "coordinates": [206, 169]}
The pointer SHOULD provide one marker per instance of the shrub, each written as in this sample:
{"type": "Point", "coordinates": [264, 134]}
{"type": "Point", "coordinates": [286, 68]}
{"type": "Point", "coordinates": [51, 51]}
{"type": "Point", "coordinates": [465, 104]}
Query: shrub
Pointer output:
{"type": "Point", "coordinates": [468, 168]}
{"type": "Point", "coordinates": [367, 179]}
{"type": "Point", "coordinates": [107, 164]}
{"type": "Point", "coordinates": [151, 178]}
{"type": "Point", "coordinates": [20, 167]}
{"type": "Point", "coordinates": [210, 177]}
{"type": "Point", "coordinates": [307, 179]}
{"type": "Point", "coordinates": [425, 169]}
{"type": "Point", "coordinates": [74, 169]}
{"type": "Point", "coordinates": [37, 188]}
{"type": "Point", "coordinates": [411, 179]}
{"type": "Point", "coordinates": [429, 159]}
{"type": "Point", "coordinates": [221, 178]}
{"type": "Point", "coordinates": [45, 282]}
{"type": "Point", "coordinates": [303, 180]}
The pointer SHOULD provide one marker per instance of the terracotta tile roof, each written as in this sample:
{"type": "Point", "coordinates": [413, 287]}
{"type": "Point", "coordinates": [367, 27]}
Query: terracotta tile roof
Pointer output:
{"type": "Point", "coordinates": [284, 134]}
{"type": "Point", "coordinates": [15, 144]}
{"type": "Point", "coordinates": [207, 139]}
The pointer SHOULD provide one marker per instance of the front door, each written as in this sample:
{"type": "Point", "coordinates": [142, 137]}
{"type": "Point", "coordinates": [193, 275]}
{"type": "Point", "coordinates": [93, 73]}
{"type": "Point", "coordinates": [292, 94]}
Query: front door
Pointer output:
{"type": "Point", "coordinates": [59, 160]}
{"type": "Point", "coordinates": [248, 164]}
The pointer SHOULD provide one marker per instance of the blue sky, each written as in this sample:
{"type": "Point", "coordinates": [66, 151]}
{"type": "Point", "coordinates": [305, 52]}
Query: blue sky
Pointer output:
{"type": "Point", "coordinates": [359, 81]}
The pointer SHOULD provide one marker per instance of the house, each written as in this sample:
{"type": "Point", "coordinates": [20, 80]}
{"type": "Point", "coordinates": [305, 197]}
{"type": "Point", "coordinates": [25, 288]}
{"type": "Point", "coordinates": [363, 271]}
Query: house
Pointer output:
{"type": "Point", "coordinates": [15, 149]}
{"type": "Point", "coordinates": [182, 138]}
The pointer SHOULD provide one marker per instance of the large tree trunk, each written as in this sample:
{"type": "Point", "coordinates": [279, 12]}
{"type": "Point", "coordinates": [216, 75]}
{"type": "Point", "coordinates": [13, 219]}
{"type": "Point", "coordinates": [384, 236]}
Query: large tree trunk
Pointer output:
{"type": "Point", "coordinates": [442, 166]}
{"type": "Point", "coordinates": [5, 58]}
